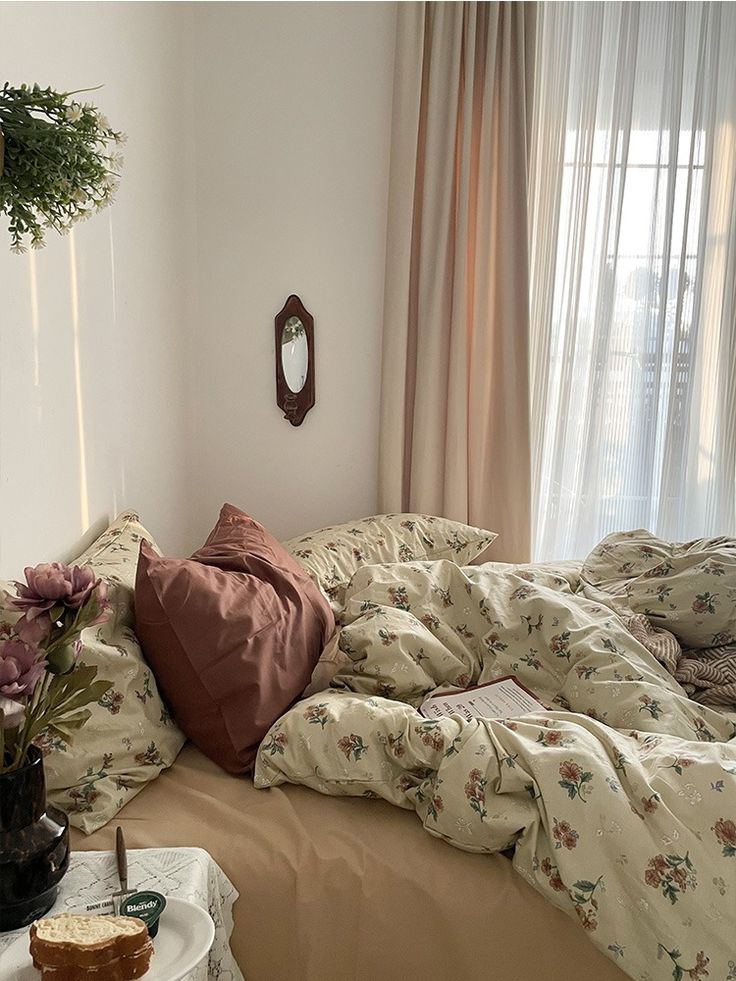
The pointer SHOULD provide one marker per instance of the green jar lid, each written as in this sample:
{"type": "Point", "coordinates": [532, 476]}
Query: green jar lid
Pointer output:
{"type": "Point", "coordinates": [147, 906]}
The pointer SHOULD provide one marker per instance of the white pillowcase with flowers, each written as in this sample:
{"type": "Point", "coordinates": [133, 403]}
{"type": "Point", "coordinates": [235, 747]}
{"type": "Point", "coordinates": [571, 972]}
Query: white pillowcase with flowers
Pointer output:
{"type": "Point", "coordinates": [130, 736]}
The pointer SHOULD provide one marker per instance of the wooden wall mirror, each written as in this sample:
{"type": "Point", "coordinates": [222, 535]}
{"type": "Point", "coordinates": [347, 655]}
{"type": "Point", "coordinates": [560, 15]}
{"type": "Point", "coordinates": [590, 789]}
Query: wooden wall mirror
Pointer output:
{"type": "Point", "coordinates": [294, 360]}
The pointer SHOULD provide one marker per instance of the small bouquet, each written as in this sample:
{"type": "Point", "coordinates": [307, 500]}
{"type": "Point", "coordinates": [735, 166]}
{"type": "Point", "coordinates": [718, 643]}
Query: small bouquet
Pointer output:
{"type": "Point", "coordinates": [42, 687]}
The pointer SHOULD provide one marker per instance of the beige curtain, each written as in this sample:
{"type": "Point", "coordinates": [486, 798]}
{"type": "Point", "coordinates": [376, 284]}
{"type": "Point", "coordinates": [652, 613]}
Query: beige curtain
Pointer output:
{"type": "Point", "coordinates": [454, 425]}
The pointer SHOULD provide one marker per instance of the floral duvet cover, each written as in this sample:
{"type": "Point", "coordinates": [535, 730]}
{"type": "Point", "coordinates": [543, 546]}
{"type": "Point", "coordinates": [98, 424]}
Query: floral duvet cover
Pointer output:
{"type": "Point", "coordinates": [619, 802]}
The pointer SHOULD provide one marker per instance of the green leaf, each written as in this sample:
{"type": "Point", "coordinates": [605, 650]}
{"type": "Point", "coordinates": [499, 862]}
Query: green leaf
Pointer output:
{"type": "Point", "coordinates": [63, 686]}
{"type": "Point", "coordinates": [74, 721]}
{"type": "Point", "coordinates": [93, 693]}
{"type": "Point", "coordinates": [55, 731]}
{"type": "Point", "coordinates": [82, 675]}
{"type": "Point", "coordinates": [60, 661]}
{"type": "Point", "coordinates": [68, 726]}
{"type": "Point", "coordinates": [584, 885]}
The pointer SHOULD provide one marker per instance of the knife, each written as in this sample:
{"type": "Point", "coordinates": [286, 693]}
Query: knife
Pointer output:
{"type": "Point", "coordinates": [122, 861]}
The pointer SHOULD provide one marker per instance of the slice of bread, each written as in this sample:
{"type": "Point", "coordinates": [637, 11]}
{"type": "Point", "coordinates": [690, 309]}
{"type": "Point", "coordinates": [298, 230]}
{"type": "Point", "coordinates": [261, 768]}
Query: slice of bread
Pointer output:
{"type": "Point", "coordinates": [69, 947]}
{"type": "Point", "coordinates": [124, 969]}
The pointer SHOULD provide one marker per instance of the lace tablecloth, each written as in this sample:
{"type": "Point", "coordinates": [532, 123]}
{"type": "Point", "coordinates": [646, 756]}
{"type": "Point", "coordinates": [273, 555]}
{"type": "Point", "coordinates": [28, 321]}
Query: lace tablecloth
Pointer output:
{"type": "Point", "coordinates": [187, 873]}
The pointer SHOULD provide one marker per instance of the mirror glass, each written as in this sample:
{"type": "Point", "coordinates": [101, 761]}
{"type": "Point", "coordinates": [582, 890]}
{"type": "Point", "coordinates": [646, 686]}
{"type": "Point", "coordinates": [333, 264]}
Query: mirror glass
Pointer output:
{"type": "Point", "coordinates": [294, 354]}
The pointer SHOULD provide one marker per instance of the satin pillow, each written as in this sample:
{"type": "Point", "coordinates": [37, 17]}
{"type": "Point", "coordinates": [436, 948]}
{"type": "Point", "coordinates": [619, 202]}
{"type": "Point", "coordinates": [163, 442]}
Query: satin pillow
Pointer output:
{"type": "Point", "coordinates": [232, 635]}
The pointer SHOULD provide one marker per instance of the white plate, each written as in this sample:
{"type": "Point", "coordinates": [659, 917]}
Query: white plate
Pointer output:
{"type": "Point", "coordinates": [184, 937]}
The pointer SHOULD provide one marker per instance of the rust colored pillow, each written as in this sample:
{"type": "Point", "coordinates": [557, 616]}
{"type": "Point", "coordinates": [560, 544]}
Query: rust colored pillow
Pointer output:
{"type": "Point", "coordinates": [232, 635]}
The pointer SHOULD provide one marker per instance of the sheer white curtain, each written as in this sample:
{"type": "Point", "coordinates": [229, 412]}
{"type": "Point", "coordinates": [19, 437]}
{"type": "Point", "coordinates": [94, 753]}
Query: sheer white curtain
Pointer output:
{"type": "Point", "coordinates": [633, 272]}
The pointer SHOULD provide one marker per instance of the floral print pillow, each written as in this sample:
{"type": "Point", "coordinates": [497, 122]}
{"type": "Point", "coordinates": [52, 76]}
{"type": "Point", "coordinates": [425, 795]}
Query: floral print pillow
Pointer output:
{"type": "Point", "coordinates": [688, 589]}
{"type": "Point", "coordinates": [130, 736]}
{"type": "Point", "coordinates": [332, 555]}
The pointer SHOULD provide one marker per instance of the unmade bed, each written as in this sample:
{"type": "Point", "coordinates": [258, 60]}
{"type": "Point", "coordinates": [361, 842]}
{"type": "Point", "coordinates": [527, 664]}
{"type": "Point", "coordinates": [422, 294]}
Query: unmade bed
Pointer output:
{"type": "Point", "coordinates": [593, 839]}
{"type": "Point", "coordinates": [336, 889]}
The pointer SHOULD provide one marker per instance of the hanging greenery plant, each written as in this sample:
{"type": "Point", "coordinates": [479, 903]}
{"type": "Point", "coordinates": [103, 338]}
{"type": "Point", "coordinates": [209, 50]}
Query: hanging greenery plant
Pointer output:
{"type": "Point", "coordinates": [59, 162]}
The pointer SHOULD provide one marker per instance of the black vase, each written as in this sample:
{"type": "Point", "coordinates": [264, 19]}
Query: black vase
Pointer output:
{"type": "Point", "coordinates": [34, 845]}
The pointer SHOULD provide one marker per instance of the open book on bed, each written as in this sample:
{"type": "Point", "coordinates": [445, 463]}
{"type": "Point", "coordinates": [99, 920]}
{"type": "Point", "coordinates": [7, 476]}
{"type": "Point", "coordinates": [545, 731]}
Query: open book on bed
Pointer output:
{"type": "Point", "coordinates": [503, 698]}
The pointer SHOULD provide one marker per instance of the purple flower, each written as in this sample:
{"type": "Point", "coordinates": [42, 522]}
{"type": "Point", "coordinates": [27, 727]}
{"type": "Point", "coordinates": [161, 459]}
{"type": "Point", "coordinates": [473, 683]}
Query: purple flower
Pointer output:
{"type": "Point", "coordinates": [13, 713]}
{"type": "Point", "coordinates": [102, 603]}
{"type": "Point", "coordinates": [32, 632]}
{"type": "Point", "coordinates": [20, 668]}
{"type": "Point", "coordinates": [51, 584]}
{"type": "Point", "coordinates": [84, 582]}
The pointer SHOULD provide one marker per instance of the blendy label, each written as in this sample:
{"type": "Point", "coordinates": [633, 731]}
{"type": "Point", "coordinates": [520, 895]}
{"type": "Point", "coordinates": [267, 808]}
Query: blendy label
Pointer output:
{"type": "Point", "coordinates": [147, 906]}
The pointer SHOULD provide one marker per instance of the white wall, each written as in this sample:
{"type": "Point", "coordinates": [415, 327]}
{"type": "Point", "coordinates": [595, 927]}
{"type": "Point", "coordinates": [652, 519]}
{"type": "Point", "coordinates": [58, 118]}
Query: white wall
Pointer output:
{"type": "Point", "coordinates": [92, 328]}
{"type": "Point", "coordinates": [292, 120]}
{"type": "Point", "coordinates": [137, 357]}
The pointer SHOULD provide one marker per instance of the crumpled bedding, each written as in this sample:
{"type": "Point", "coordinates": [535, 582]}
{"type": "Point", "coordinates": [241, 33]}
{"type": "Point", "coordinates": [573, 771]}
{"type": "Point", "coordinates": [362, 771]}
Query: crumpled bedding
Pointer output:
{"type": "Point", "coordinates": [708, 675]}
{"type": "Point", "coordinates": [619, 802]}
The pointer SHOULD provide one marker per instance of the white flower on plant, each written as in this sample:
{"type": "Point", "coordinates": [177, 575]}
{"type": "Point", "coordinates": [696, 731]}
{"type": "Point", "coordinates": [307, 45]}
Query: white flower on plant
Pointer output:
{"type": "Point", "coordinates": [120, 138]}
{"type": "Point", "coordinates": [38, 243]}
{"type": "Point", "coordinates": [55, 197]}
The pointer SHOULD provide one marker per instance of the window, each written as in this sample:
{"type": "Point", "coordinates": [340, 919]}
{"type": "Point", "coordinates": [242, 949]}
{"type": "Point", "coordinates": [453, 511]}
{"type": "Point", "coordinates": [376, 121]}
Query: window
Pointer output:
{"type": "Point", "coordinates": [624, 222]}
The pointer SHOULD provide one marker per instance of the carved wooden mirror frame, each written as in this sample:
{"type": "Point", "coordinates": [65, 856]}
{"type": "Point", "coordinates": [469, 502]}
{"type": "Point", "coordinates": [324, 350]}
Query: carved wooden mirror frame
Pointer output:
{"type": "Point", "coordinates": [294, 405]}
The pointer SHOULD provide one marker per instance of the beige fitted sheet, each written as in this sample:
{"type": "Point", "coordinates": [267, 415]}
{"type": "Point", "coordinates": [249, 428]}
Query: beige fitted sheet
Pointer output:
{"type": "Point", "coordinates": [351, 889]}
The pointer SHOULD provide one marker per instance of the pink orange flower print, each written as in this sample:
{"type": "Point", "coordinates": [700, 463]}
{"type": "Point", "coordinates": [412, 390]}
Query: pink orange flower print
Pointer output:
{"type": "Point", "coordinates": [650, 705]}
{"type": "Point", "coordinates": [705, 603]}
{"type": "Point", "coordinates": [275, 744]}
{"type": "Point", "coordinates": [317, 714]}
{"type": "Point", "coordinates": [399, 597]}
{"type": "Point", "coordinates": [551, 871]}
{"type": "Point", "coordinates": [725, 832]}
{"type": "Point", "coordinates": [435, 805]}
{"type": "Point", "coordinates": [695, 973]}
{"type": "Point", "coordinates": [551, 737]}
{"type": "Point", "coordinates": [475, 791]}
{"type": "Point", "coordinates": [583, 899]}
{"type": "Point", "coordinates": [672, 874]}
{"type": "Point", "coordinates": [564, 835]}
{"type": "Point", "coordinates": [575, 780]}
{"type": "Point", "coordinates": [560, 645]}
{"type": "Point", "coordinates": [430, 734]}
{"type": "Point", "coordinates": [650, 804]}
{"type": "Point", "coordinates": [352, 745]}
